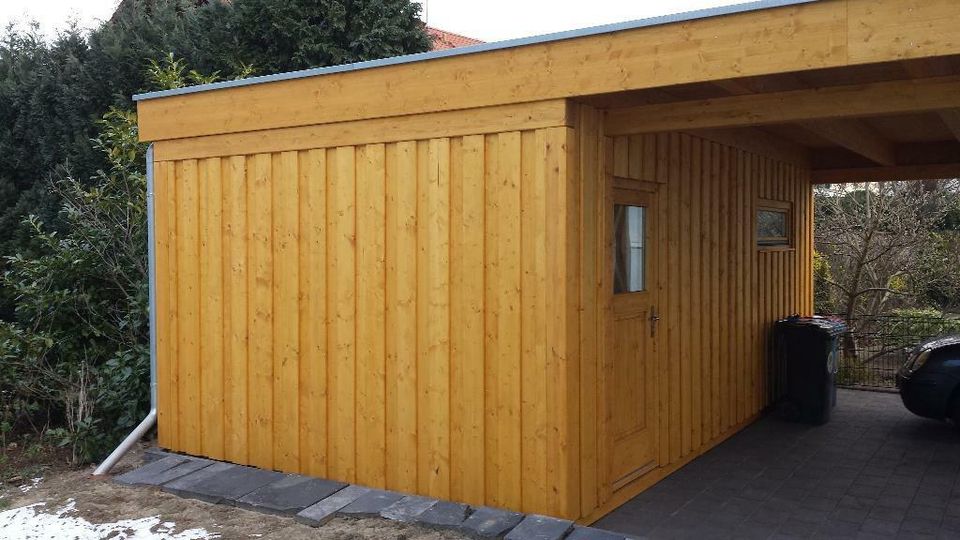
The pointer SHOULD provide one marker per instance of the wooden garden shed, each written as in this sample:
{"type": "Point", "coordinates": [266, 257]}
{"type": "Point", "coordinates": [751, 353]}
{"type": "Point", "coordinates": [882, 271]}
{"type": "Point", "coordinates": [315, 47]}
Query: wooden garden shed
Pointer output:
{"type": "Point", "coordinates": [536, 274]}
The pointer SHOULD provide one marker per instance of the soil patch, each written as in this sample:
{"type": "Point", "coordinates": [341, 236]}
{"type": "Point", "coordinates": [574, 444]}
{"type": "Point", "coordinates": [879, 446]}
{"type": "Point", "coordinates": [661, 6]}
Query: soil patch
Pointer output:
{"type": "Point", "coordinates": [99, 500]}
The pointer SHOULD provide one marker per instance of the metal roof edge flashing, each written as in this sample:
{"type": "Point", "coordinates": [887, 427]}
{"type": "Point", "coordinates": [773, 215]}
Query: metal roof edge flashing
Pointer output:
{"type": "Point", "coordinates": [733, 9]}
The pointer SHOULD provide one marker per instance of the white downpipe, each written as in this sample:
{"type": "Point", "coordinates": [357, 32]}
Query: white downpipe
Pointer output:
{"type": "Point", "coordinates": [151, 418]}
{"type": "Point", "coordinates": [125, 446]}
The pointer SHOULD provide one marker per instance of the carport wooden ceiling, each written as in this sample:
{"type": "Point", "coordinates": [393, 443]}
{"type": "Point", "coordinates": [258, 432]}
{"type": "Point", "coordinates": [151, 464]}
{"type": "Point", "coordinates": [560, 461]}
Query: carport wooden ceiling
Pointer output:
{"type": "Point", "coordinates": [888, 121]}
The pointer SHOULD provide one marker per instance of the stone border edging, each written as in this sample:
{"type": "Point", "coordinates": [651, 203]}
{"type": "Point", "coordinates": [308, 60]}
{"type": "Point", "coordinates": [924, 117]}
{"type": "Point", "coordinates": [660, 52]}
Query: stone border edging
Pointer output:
{"type": "Point", "coordinates": [314, 501]}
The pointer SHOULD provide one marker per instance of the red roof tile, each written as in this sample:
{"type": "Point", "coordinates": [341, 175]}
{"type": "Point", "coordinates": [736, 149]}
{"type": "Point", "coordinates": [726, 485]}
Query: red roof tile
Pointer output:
{"type": "Point", "coordinates": [448, 40]}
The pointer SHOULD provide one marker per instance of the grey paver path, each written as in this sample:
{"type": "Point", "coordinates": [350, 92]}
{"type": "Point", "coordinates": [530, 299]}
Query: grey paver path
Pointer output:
{"type": "Point", "coordinates": [874, 471]}
{"type": "Point", "coordinates": [289, 495]}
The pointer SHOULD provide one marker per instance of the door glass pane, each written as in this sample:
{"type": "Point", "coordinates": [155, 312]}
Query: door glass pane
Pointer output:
{"type": "Point", "coordinates": [629, 267]}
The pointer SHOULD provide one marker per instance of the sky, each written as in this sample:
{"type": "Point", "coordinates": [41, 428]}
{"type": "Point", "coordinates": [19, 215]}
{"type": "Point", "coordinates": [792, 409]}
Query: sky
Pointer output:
{"type": "Point", "coordinates": [487, 20]}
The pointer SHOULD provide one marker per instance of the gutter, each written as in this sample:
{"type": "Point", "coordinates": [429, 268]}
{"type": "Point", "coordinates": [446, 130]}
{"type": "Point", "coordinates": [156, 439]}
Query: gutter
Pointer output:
{"type": "Point", "coordinates": [151, 419]}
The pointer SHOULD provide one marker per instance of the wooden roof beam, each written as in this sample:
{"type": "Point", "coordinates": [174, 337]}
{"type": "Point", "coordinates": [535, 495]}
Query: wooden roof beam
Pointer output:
{"type": "Point", "coordinates": [927, 67]}
{"type": "Point", "coordinates": [876, 99]}
{"type": "Point", "coordinates": [857, 137]}
{"type": "Point", "coordinates": [851, 134]}
{"type": "Point", "coordinates": [938, 171]}
{"type": "Point", "coordinates": [952, 119]}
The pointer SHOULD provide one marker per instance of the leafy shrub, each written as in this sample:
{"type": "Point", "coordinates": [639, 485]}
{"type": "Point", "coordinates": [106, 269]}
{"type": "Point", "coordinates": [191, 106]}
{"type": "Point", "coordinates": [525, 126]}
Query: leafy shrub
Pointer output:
{"type": "Point", "coordinates": [74, 357]}
{"type": "Point", "coordinates": [80, 351]}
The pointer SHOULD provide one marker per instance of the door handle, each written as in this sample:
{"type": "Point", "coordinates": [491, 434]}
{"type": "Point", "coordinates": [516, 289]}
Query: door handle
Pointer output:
{"type": "Point", "coordinates": [654, 319]}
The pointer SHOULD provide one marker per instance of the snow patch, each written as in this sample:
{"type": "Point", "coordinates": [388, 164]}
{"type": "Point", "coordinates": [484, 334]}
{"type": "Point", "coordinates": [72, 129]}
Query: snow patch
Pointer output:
{"type": "Point", "coordinates": [30, 523]}
{"type": "Point", "coordinates": [34, 482]}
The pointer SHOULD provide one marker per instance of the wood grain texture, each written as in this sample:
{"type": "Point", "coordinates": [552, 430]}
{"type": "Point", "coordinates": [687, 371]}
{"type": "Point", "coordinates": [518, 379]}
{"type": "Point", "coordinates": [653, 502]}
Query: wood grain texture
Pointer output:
{"type": "Point", "coordinates": [165, 209]}
{"type": "Point", "coordinates": [467, 309]}
{"type": "Point", "coordinates": [260, 310]}
{"type": "Point", "coordinates": [433, 318]}
{"type": "Point", "coordinates": [236, 370]}
{"type": "Point", "coordinates": [430, 315]}
{"type": "Point", "coordinates": [342, 306]}
{"type": "Point", "coordinates": [523, 116]}
{"type": "Point", "coordinates": [862, 100]}
{"type": "Point", "coordinates": [371, 316]}
{"type": "Point", "coordinates": [401, 316]}
{"type": "Point", "coordinates": [286, 313]}
{"type": "Point", "coordinates": [313, 317]}
{"type": "Point", "coordinates": [719, 292]}
{"type": "Point", "coordinates": [188, 306]}
{"type": "Point", "coordinates": [211, 306]}
{"type": "Point", "coordinates": [815, 35]}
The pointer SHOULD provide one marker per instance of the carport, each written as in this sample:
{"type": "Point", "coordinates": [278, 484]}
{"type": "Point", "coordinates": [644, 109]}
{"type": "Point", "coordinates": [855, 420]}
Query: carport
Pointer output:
{"type": "Point", "coordinates": [535, 274]}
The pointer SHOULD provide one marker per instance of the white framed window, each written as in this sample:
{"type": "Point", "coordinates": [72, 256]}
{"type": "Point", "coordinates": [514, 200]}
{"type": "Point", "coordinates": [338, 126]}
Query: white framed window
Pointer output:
{"type": "Point", "coordinates": [773, 224]}
{"type": "Point", "coordinates": [630, 243]}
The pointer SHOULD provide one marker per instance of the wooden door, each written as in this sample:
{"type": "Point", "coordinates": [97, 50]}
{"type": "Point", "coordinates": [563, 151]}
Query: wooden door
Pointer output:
{"type": "Point", "coordinates": [633, 320]}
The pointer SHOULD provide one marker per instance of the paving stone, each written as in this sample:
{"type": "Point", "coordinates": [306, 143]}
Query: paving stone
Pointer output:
{"type": "Point", "coordinates": [163, 470]}
{"type": "Point", "coordinates": [848, 478]}
{"type": "Point", "coordinates": [370, 504]}
{"type": "Point", "coordinates": [589, 533]}
{"type": "Point", "coordinates": [289, 494]}
{"type": "Point", "coordinates": [920, 525]}
{"type": "Point", "coordinates": [444, 514]}
{"type": "Point", "coordinates": [324, 510]}
{"type": "Point", "coordinates": [750, 531]}
{"type": "Point", "coordinates": [927, 512]}
{"type": "Point", "coordinates": [408, 508]}
{"type": "Point", "coordinates": [951, 524]}
{"type": "Point", "coordinates": [853, 515]}
{"type": "Point", "coordinates": [537, 527]}
{"type": "Point", "coordinates": [878, 526]}
{"type": "Point", "coordinates": [221, 483]}
{"type": "Point", "coordinates": [796, 527]}
{"type": "Point", "coordinates": [153, 454]}
{"type": "Point", "coordinates": [490, 522]}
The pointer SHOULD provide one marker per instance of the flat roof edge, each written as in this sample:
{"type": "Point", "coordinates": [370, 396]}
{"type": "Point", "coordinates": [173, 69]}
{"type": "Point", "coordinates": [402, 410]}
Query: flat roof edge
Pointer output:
{"type": "Point", "coordinates": [707, 13]}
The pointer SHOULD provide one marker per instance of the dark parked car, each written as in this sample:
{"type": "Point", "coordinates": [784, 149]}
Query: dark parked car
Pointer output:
{"type": "Point", "coordinates": [929, 381]}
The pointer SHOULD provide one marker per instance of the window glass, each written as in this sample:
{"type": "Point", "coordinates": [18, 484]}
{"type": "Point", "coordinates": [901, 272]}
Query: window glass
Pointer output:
{"type": "Point", "coordinates": [629, 226]}
{"type": "Point", "coordinates": [772, 227]}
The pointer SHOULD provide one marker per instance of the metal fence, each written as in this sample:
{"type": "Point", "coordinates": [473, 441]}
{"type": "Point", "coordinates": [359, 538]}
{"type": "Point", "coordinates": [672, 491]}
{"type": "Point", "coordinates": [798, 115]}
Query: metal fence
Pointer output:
{"type": "Point", "coordinates": [875, 347]}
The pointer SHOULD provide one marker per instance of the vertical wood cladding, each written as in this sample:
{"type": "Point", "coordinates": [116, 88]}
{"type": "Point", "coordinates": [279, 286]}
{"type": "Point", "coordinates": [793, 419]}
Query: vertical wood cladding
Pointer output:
{"type": "Point", "coordinates": [718, 292]}
{"type": "Point", "coordinates": [396, 315]}
{"type": "Point", "coordinates": [430, 315]}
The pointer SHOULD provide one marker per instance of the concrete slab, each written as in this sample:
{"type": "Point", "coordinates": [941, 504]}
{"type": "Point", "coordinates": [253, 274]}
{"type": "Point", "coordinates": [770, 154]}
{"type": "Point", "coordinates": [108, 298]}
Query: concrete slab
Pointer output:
{"type": "Point", "coordinates": [163, 470]}
{"type": "Point", "coordinates": [489, 522]}
{"type": "Point", "coordinates": [289, 495]}
{"type": "Point", "coordinates": [408, 508]}
{"type": "Point", "coordinates": [589, 533]}
{"type": "Point", "coordinates": [370, 504]}
{"type": "Point", "coordinates": [221, 483]}
{"type": "Point", "coordinates": [153, 453]}
{"type": "Point", "coordinates": [444, 514]}
{"type": "Point", "coordinates": [324, 510]}
{"type": "Point", "coordinates": [779, 479]}
{"type": "Point", "coordinates": [537, 527]}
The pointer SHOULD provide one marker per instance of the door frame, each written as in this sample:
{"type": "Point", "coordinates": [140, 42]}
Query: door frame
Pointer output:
{"type": "Point", "coordinates": [642, 193]}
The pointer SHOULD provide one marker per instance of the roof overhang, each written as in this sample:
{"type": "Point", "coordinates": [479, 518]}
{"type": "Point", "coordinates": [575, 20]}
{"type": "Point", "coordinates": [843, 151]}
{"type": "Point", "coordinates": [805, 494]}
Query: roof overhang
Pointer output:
{"type": "Point", "coordinates": [831, 67]}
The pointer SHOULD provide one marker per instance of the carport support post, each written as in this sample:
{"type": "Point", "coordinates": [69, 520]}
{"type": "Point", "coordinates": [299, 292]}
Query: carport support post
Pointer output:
{"type": "Point", "coordinates": [151, 418]}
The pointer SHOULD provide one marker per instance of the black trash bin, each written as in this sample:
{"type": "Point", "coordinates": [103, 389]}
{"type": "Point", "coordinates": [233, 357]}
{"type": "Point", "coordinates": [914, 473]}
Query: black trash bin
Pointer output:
{"type": "Point", "coordinates": [807, 349]}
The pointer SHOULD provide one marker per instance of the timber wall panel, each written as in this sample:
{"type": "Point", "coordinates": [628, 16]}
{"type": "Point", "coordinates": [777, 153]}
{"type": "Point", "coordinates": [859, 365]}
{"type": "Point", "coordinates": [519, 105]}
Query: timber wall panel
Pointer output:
{"type": "Point", "coordinates": [718, 293]}
{"type": "Point", "coordinates": [429, 315]}
{"type": "Point", "coordinates": [400, 315]}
